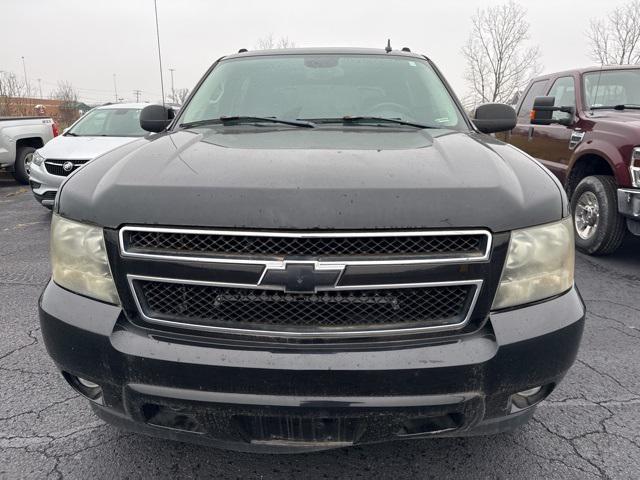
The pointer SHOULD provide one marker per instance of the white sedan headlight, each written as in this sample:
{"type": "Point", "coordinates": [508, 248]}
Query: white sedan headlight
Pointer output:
{"type": "Point", "coordinates": [37, 159]}
{"type": "Point", "coordinates": [539, 264]}
{"type": "Point", "coordinates": [79, 260]}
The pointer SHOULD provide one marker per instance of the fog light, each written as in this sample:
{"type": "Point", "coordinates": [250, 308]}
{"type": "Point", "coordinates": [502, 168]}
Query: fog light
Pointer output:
{"type": "Point", "coordinates": [529, 397]}
{"type": "Point", "coordinates": [84, 387]}
{"type": "Point", "coordinates": [87, 383]}
{"type": "Point", "coordinates": [530, 392]}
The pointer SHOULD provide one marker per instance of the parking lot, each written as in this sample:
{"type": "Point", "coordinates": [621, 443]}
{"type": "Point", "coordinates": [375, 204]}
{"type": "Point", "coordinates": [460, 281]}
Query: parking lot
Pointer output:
{"type": "Point", "coordinates": [589, 428]}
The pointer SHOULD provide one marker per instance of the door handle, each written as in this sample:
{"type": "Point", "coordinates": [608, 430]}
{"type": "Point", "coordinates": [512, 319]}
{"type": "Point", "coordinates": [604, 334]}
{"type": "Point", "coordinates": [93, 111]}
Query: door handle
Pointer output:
{"type": "Point", "coordinates": [530, 136]}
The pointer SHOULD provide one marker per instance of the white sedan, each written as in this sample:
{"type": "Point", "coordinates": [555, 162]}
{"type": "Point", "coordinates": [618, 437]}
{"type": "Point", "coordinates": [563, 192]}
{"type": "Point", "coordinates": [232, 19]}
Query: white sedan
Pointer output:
{"type": "Point", "coordinates": [100, 130]}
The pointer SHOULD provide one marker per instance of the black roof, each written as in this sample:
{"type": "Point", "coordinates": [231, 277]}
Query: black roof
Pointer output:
{"type": "Point", "coordinates": [325, 51]}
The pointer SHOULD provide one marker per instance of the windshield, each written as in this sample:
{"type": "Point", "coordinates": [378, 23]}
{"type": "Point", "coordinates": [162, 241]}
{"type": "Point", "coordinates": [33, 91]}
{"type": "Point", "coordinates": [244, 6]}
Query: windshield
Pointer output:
{"type": "Point", "coordinates": [315, 87]}
{"type": "Point", "coordinates": [611, 88]}
{"type": "Point", "coordinates": [109, 122]}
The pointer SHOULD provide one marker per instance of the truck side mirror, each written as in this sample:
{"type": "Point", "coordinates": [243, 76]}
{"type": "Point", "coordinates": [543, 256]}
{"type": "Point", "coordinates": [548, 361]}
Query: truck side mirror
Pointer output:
{"type": "Point", "coordinates": [494, 117]}
{"type": "Point", "coordinates": [542, 113]}
{"type": "Point", "coordinates": [155, 118]}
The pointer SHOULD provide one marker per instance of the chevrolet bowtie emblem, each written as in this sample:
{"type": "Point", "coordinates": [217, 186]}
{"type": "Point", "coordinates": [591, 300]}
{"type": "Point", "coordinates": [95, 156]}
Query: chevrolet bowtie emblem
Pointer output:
{"type": "Point", "coordinates": [301, 277]}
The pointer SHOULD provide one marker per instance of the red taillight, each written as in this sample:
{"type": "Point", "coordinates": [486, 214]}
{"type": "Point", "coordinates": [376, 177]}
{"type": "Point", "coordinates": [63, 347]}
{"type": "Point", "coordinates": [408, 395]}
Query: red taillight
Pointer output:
{"type": "Point", "coordinates": [54, 127]}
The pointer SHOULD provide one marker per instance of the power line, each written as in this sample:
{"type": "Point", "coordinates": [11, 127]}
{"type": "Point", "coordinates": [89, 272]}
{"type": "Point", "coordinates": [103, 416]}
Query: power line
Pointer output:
{"type": "Point", "coordinates": [137, 93]}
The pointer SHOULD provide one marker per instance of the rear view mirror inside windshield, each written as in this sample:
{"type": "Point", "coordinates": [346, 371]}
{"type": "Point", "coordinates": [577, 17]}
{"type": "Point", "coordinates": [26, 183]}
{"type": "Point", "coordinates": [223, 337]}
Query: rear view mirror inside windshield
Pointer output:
{"type": "Point", "coordinates": [330, 61]}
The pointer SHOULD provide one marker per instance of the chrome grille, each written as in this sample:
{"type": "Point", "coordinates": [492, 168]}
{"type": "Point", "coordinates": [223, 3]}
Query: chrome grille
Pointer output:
{"type": "Point", "coordinates": [255, 308]}
{"type": "Point", "coordinates": [311, 284]}
{"type": "Point", "coordinates": [54, 167]}
{"type": "Point", "coordinates": [304, 244]}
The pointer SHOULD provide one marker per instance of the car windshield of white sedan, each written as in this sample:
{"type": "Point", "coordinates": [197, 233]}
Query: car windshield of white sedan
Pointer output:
{"type": "Point", "coordinates": [109, 122]}
{"type": "Point", "coordinates": [322, 88]}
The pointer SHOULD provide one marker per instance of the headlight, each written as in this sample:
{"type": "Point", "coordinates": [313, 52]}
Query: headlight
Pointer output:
{"type": "Point", "coordinates": [539, 264]}
{"type": "Point", "coordinates": [37, 159]}
{"type": "Point", "coordinates": [79, 260]}
{"type": "Point", "coordinates": [634, 168]}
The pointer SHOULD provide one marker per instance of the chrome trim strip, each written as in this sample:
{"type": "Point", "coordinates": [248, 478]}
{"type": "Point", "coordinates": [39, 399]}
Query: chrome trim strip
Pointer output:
{"type": "Point", "coordinates": [280, 263]}
{"type": "Point", "coordinates": [318, 334]}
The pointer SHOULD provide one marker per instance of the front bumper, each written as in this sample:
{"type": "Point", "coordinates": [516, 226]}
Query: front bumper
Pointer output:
{"type": "Point", "coordinates": [43, 184]}
{"type": "Point", "coordinates": [223, 395]}
{"type": "Point", "coordinates": [629, 206]}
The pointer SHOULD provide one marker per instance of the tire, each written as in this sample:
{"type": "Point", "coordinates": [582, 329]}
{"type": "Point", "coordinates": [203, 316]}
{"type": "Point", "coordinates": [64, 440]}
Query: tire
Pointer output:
{"type": "Point", "coordinates": [23, 156]}
{"type": "Point", "coordinates": [594, 205]}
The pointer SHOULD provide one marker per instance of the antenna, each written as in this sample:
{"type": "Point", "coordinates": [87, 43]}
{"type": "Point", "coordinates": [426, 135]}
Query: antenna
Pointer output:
{"type": "Point", "coordinates": [155, 6]}
{"type": "Point", "coordinates": [388, 47]}
{"type": "Point", "coordinates": [595, 96]}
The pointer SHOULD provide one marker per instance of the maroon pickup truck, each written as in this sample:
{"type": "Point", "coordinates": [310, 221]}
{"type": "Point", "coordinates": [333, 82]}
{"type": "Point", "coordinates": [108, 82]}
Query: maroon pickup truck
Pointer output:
{"type": "Point", "coordinates": [584, 126]}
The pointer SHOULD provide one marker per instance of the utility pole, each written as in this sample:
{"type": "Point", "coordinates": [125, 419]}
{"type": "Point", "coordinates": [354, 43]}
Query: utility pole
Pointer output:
{"type": "Point", "coordinates": [137, 93]}
{"type": "Point", "coordinates": [26, 80]}
{"type": "Point", "coordinates": [115, 88]}
{"type": "Point", "coordinates": [173, 90]}
{"type": "Point", "coordinates": [40, 86]}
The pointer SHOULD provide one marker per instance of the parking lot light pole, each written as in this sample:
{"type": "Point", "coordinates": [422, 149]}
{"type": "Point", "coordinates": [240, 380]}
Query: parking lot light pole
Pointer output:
{"type": "Point", "coordinates": [173, 90]}
{"type": "Point", "coordinates": [26, 79]}
{"type": "Point", "coordinates": [115, 89]}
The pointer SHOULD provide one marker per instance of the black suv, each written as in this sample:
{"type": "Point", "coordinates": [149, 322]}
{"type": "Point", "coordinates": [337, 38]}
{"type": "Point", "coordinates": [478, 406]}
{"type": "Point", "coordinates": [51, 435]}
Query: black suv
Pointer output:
{"type": "Point", "coordinates": [320, 250]}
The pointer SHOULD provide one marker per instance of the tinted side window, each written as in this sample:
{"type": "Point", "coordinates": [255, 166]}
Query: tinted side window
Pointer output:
{"type": "Point", "coordinates": [564, 90]}
{"type": "Point", "coordinates": [537, 89]}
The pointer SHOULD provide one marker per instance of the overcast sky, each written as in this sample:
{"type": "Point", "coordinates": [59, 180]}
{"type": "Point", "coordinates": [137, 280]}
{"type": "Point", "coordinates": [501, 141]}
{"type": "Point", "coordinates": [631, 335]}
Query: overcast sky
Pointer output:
{"type": "Point", "coordinates": [86, 42]}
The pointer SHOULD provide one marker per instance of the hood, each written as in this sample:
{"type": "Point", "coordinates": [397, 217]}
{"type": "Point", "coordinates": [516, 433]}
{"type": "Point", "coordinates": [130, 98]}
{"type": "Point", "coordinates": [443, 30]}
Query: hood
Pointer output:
{"type": "Point", "coordinates": [625, 123]}
{"type": "Point", "coordinates": [629, 117]}
{"type": "Point", "coordinates": [67, 147]}
{"type": "Point", "coordinates": [349, 178]}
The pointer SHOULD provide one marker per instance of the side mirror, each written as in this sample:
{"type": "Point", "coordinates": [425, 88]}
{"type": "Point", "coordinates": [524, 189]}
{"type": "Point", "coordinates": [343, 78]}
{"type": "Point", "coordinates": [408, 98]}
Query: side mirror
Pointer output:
{"type": "Point", "coordinates": [494, 117]}
{"type": "Point", "coordinates": [155, 118]}
{"type": "Point", "coordinates": [542, 112]}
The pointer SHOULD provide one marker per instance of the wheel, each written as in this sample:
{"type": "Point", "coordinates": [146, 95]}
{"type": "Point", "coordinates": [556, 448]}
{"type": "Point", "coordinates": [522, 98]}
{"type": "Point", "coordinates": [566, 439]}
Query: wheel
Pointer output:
{"type": "Point", "coordinates": [599, 227]}
{"type": "Point", "coordinates": [21, 167]}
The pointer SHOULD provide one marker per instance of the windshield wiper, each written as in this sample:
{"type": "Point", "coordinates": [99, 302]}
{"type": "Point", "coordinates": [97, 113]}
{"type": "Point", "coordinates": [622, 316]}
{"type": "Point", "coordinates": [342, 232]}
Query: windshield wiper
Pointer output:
{"type": "Point", "coordinates": [239, 119]}
{"type": "Point", "coordinates": [622, 106]}
{"type": "Point", "coordinates": [363, 119]}
{"type": "Point", "coordinates": [71, 134]}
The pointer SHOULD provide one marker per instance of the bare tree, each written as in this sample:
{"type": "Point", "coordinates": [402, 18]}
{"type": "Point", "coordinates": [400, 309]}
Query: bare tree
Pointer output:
{"type": "Point", "coordinates": [68, 110]}
{"type": "Point", "coordinates": [499, 60]}
{"type": "Point", "coordinates": [13, 96]}
{"type": "Point", "coordinates": [615, 40]}
{"type": "Point", "coordinates": [180, 95]}
{"type": "Point", "coordinates": [269, 41]}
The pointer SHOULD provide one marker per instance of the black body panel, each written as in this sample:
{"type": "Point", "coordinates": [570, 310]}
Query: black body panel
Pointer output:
{"type": "Point", "coordinates": [471, 375]}
{"type": "Point", "coordinates": [325, 178]}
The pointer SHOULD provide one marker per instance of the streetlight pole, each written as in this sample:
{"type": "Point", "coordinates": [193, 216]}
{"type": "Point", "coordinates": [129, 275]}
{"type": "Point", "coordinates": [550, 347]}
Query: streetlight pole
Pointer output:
{"type": "Point", "coordinates": [115, 88]}
{"type": "Point", "coordinates": [40, 86]}
{"type": "Point", "coordinates": [26, 80]}
{"type": "Point", "coordinates": [173, 90]}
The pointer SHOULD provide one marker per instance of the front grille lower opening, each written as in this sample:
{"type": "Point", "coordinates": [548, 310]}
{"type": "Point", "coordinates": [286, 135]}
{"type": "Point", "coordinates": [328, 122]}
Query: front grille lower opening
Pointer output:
{"type": "Point", "coordinates": [274, 310]}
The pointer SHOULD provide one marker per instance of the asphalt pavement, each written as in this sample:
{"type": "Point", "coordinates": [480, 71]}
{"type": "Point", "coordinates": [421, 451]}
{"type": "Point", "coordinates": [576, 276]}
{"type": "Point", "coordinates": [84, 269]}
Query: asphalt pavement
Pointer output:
{"type": "Point", "coordinates": [589, 428]}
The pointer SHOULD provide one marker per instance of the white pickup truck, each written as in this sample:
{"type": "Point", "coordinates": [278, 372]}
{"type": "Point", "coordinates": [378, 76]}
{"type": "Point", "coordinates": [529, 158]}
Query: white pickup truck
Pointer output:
{"type": "Point", "coordinates": [19, 138]}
